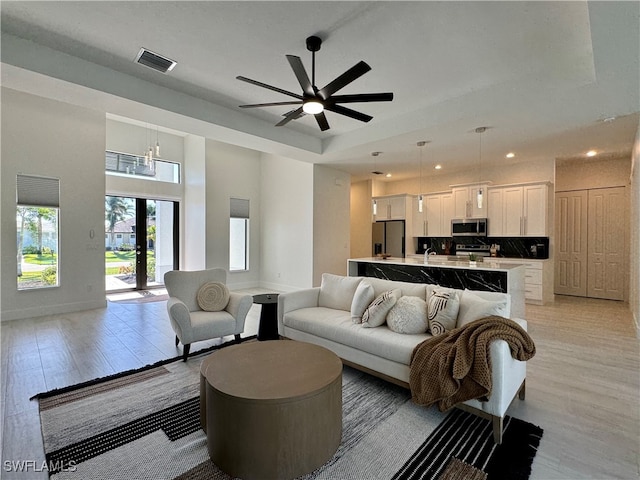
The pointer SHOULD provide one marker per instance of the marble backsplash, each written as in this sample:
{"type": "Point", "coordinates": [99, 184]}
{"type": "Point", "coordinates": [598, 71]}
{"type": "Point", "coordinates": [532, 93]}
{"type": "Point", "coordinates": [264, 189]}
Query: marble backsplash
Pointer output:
{"type": "Point", "coordinates": [510, 247]}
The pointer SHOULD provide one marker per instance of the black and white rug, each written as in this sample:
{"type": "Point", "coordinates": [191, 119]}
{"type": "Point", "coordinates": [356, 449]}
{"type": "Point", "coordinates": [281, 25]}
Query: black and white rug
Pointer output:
{"type": "Point", "coordinates": [145, 425]}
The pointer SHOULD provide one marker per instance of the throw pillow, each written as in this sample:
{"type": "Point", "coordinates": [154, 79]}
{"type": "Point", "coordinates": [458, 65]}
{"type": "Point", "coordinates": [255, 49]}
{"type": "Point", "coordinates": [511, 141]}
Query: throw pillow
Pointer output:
{"type": "Point", "coordinates": [473, 307]}
{"type": "Point", "coordinates": [213, 296]}
{"type": "Point", "coordinates": [443, 310]}
{"type": "Point", "coordinates": [408, 315]}
{"type": "Point", "coordinates": [361, 300]}
{"type": "Point", "coordinates": [376, 313]}
{"type": "Point", "coordinates": [337, 291]}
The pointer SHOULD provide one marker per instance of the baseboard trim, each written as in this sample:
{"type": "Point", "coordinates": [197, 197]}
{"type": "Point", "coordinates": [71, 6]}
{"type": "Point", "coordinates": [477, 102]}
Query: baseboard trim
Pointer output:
{"type": "Point", "coordinates": [42, 310]}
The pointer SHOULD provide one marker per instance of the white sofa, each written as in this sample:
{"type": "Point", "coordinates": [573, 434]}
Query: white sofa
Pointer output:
{"type": "Point", "coordinates": [322, 316]}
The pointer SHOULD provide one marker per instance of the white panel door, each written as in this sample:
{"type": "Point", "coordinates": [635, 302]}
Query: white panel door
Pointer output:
{"type": "Point", "coordinates": [571, 243]}
{"type": "Point", "coordinates": [607, 215]}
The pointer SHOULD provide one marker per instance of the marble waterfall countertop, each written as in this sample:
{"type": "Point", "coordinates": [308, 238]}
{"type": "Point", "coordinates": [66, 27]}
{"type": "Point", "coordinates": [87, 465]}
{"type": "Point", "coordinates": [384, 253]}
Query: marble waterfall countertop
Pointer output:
{"type": "Point", "coordinates": [489, 276]}
{"type": "Point", "coordinates": [442, 262]}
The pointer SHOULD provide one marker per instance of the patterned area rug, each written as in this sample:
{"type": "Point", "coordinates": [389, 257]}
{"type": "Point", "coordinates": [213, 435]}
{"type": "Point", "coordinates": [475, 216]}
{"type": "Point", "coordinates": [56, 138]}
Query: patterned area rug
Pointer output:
{"type": "Point", "coordinates": [145, 425]}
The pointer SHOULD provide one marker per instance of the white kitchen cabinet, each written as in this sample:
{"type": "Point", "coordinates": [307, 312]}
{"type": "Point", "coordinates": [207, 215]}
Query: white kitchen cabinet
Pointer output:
{"type": "Point", "coordinates": [435, 219]}
{"type": "Point", "coordinates": [392, 207]}
{"type": "Point", "coordinates": [465, 201]}
{"type": "Point", "coordinates": [518, 210]}
{"type": "Point", "coordinates": [538, 278]}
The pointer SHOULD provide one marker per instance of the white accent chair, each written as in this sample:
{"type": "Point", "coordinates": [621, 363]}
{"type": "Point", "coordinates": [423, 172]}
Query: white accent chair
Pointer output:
{"type": "Point", "coordinates": [189, 321]}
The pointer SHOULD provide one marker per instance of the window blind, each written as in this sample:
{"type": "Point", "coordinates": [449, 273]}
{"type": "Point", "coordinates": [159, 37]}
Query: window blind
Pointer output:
{"type": "Point", "coordinates": [37, 191]}
{"type": "Point", "coordinates": [239, 208]}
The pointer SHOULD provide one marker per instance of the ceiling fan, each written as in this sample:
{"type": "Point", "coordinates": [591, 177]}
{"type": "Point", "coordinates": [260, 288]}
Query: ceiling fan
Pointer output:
{"type": "Point", "coordinates": [314, 101]}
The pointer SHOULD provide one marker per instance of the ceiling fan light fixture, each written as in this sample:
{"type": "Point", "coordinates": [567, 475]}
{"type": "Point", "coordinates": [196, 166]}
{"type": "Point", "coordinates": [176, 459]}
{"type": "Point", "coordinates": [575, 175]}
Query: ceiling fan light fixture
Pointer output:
{"type": "Point", "coordinates": [312, 107]}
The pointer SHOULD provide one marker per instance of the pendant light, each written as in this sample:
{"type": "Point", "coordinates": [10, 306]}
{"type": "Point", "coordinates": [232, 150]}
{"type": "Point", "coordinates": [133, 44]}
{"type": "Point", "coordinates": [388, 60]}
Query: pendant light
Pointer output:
{"type": "Point", "coordinates": [420, 144]}
{"type": "Point", "coordinates": [157, 144]}
{"type": "Point", "coordinates": [374, 205]}
{"type": "Point", "coordinates": [480, 196]}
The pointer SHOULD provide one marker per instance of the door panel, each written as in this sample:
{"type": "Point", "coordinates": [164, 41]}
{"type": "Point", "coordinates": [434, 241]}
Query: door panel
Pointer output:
{"type": "Point", "coordinates": [606, 243]}
{"type": "Point", "coordinates": [571, 245]}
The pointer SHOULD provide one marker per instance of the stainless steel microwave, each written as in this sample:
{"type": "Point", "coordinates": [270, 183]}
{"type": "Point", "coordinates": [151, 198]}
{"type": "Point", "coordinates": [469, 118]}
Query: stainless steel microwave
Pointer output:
{"type": "Point", "coordinates": [469, 227]}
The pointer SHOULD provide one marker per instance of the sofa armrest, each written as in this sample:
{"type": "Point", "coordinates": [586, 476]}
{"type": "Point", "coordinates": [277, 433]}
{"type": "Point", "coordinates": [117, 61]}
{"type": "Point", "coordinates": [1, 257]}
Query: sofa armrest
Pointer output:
{"type": "Point", "coordinates": [507, 375]}
{"type": "Point", "coordinates": [287, 302]}
{"type": "Point", "coordinates": [179, 316]}
{"type": "Point", "coordinates": [238, 307]}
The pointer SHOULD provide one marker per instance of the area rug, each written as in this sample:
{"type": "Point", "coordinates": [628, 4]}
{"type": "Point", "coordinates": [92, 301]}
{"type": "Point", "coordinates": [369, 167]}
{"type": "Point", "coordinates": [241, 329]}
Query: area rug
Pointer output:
{"type": "Point", "coordinates": [145, 425]}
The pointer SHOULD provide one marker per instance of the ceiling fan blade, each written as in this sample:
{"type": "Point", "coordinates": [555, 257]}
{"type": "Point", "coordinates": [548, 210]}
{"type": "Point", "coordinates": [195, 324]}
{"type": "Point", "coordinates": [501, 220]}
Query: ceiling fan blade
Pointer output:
{"type": "Point", "coordinates": [321, 118]}
{"type": "Point", "coordinates": [362, 97]}
{"type": "Point", "coordinates": [346, 78]}
{"type": "Point", "coordinates": [264, 85]}
{"type": "Point", "coordinates": [292, 115]}
{"type": "Point", "coordinates": [273, 104]}
{"type": "Point", "coordinates": [301, 75]}
{"type": "Point", "coordinates": [363, 117]}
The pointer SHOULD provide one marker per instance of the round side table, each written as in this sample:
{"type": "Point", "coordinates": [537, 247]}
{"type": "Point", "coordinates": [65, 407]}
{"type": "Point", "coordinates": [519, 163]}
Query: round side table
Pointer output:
{"type": "Point", "coordinates": [268, 329]}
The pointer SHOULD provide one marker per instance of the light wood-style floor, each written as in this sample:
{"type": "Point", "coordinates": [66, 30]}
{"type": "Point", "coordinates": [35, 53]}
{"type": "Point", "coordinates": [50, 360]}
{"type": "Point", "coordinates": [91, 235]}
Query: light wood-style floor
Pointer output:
{"type": "Point", "coordinates": [583, 386]}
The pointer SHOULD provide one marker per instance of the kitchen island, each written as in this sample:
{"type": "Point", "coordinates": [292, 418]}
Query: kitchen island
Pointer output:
{"type": "Point", "coordinates": [490, 275]}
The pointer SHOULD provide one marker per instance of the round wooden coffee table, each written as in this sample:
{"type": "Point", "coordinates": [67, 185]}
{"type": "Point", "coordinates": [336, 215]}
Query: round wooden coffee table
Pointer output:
{"type": "Point", "coordinates": [271, 409]}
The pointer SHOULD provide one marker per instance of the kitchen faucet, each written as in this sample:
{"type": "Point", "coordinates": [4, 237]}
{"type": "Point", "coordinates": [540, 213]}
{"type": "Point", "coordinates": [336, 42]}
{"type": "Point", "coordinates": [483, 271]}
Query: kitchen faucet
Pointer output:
{"type": "Point", "coordinates": [428, 252]}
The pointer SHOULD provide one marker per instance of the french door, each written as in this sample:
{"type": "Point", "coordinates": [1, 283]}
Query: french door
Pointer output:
{"type": "Point", "coordinates": [141, 242]}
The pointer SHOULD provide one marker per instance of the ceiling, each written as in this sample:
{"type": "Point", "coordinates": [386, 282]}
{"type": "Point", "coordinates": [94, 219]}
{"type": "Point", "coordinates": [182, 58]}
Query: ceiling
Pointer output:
{"type": "Point", "coordinates": [549, 79]}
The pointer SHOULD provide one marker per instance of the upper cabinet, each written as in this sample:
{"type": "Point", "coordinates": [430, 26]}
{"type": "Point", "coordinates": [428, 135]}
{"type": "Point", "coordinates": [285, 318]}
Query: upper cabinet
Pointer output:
{"type": "Point", "coordinates": [465, 201]}
{"type": "Point", "coordinates": [518, 210]}
{"type": "Point", "coordinates": [394, 207]}
{"type": "Point", "coordinates": [435, 219]}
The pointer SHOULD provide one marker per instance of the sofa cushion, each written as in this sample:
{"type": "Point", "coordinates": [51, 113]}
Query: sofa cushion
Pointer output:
{"type": "Point", "coordinates": [361, 300]}
{"type": "Point", "coordinates": [444, 304]}
{"type": "Point", "coordinates": [472, 308]}
{"type": "Point", "coordinates": [411, 289]}
{"type": "Point", "coordinates": [336, 325]}
{"type": "Point", "coordinates": [337, 291]}
{"type": "Point", "coordinates": [408, 315]}
{"type": "Point", "coordinates": [376, 313]}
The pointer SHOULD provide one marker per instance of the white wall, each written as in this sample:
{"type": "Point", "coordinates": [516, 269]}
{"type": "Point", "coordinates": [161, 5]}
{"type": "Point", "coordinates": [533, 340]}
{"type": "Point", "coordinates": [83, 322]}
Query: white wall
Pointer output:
{"type": "Point", "coordinates": [49, 138]}
{"type": "Point", "coordinates": [232, 172]}
{"type": "Point", "coordinates": [634, 225]}
{"type": "Point", "coordinates": [331, 221]}
{"type": "Point", "coordinates": [287, 223]}
{"type": "Point", "coordinates": [193, 234]}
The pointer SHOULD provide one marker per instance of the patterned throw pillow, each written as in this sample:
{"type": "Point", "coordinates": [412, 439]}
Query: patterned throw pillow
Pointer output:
{"type": "Point", "coordinates": [443, 310]}
{"type": "Point", "coordinates": [376, 313]}
{"type": "Point", "coordinates": [408, 315]}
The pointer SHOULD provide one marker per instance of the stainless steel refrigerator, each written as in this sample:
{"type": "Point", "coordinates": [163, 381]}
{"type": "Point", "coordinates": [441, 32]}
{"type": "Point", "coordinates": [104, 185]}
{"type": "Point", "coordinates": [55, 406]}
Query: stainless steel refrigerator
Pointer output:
{"type": "Point", "coordinates": [388, 237]}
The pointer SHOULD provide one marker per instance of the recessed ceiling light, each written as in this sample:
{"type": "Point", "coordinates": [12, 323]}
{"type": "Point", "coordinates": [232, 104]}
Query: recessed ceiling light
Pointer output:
{"type": "Point", "coordinates": [591, 153]}
{"type": "Point", "coordinates": [438, 167]}
{"type": "Point", "coordinates": [510, 155]}
{"type": "Point", "coordinates": [388, 175]}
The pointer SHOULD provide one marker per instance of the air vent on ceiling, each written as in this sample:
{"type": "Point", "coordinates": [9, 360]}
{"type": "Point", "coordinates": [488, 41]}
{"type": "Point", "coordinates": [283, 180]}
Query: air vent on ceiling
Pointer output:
{"type": "Point", "coordinates": [155, 61]}
{"type": "Point", "coordinates": [376, 172]}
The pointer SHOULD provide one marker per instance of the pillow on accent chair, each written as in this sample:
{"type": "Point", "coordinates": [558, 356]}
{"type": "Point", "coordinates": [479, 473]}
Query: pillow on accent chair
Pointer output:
{"type": "Point", "coordinates": [337, 291]}
{"type": "Point", "coordinates": [361, 300]}
{"type": "Point", "coordinates": [376, 313]}
{"type": "Point", "coordinates": [473, 307]}
{"type": "Point", "coordinates": [213, 296]}
{"type": "Point", "coordinates": [443, 310]}
{"type": "Point", "coordinates": [408, 315]}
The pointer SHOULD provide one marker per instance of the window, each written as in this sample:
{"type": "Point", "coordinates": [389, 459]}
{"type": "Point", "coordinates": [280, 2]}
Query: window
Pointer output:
{"type": "Point", "coordinates": [133, 165]}
{"type": "Point", "coordinates": [37, 231]}
{"type": "Point", "coordinates": [239, 235]}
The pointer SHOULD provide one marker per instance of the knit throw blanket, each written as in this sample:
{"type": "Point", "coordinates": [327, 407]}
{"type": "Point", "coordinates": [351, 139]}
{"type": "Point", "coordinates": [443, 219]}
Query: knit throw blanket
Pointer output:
{"type": "Point", "coordinates": [456, 366]}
